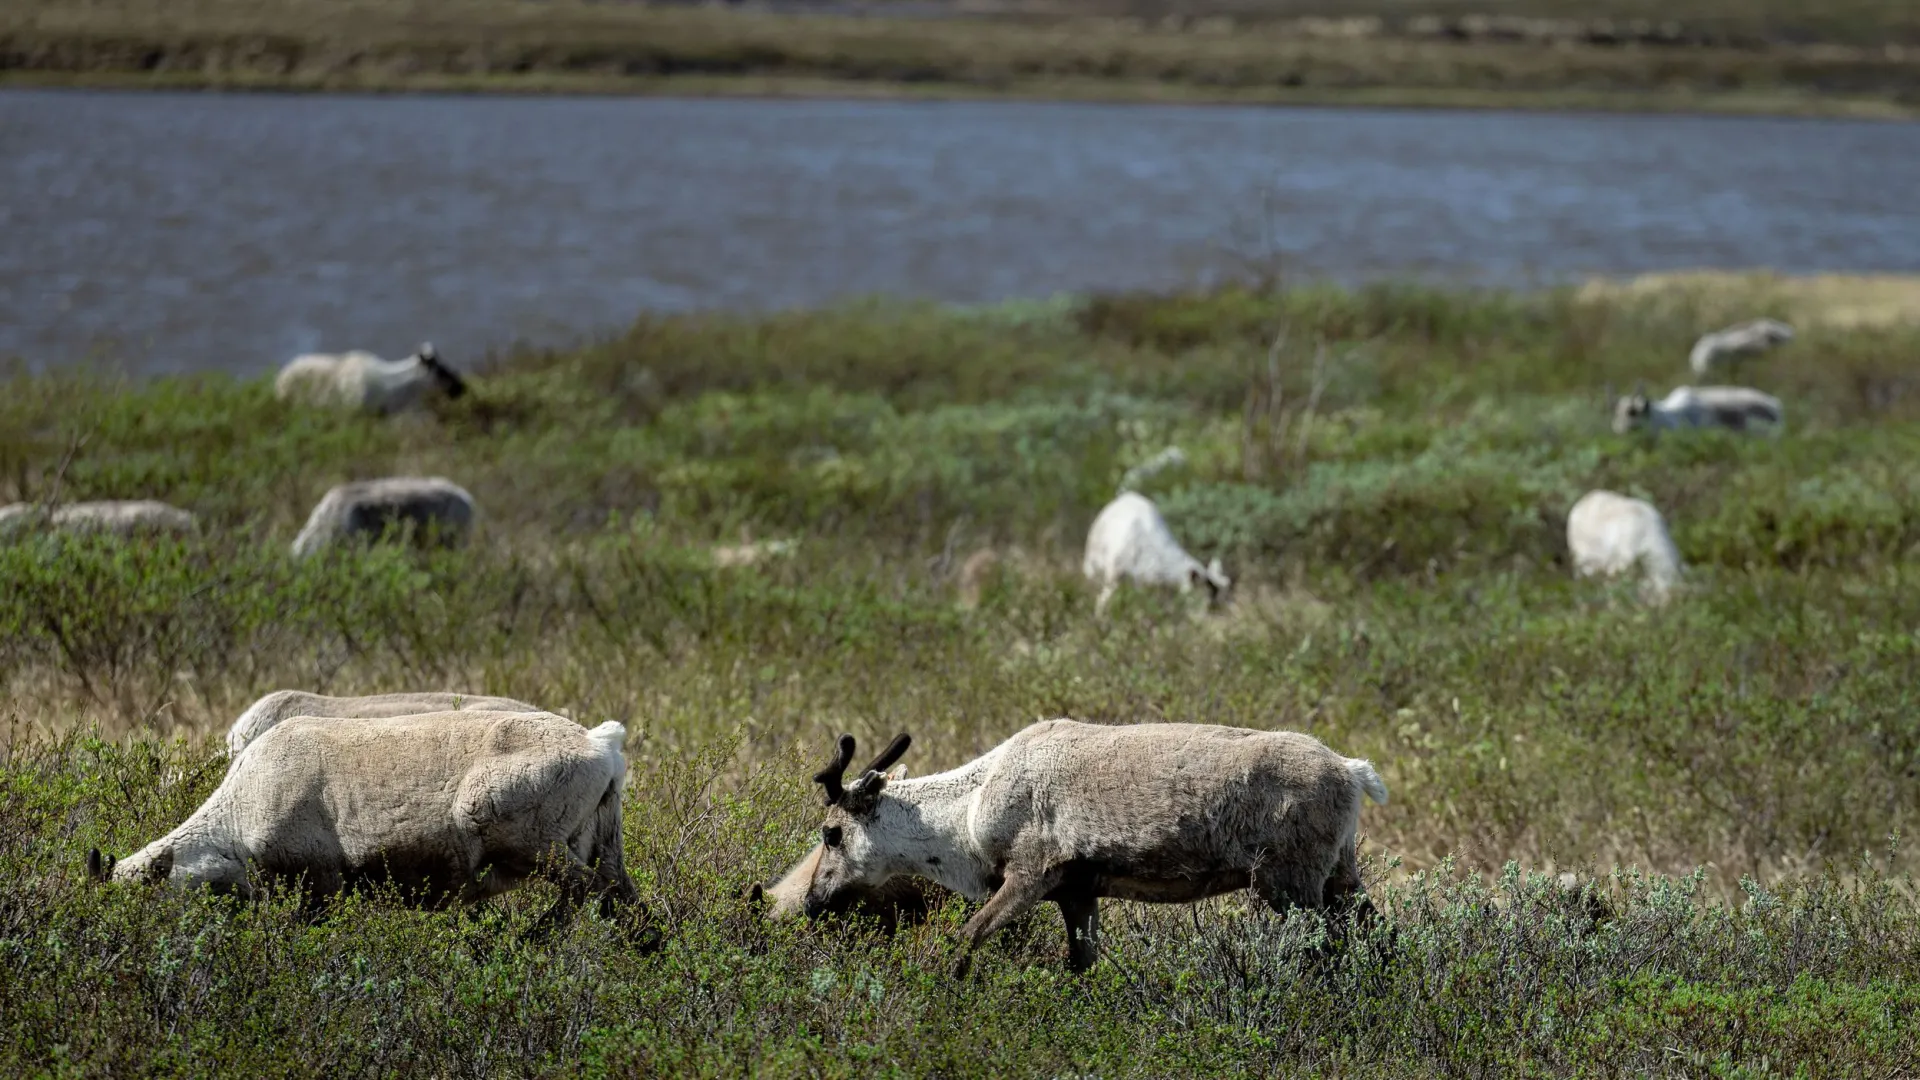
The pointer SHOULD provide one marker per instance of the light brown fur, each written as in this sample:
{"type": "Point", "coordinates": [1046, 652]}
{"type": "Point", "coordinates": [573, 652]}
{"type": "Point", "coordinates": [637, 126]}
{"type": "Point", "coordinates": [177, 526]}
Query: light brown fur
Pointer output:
{"type": "Point", "coordinates": [280, 705]}
{"type": "Point", "coordinates": [448, 807]}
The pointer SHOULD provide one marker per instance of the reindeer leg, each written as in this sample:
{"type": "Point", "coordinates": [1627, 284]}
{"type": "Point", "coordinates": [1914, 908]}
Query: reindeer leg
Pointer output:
{"type": "Point", "coordinates": [1081, 910]}
{"type": "Point", "coordinates": [1016, 896]}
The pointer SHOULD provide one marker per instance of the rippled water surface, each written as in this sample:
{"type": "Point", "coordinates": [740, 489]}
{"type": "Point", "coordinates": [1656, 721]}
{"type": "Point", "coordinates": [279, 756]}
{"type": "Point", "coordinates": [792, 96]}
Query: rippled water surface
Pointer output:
{"type": "Point", "coordinates": [169, 232]}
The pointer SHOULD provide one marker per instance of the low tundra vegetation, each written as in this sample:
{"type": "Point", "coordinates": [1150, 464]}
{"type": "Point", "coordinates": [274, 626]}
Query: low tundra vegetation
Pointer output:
{"type": "Point", "coordinates": [1385, 473]}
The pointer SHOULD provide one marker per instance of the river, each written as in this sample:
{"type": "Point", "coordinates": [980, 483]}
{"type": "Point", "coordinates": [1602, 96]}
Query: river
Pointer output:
{"type": "Point", "coordinates": [167, 232]}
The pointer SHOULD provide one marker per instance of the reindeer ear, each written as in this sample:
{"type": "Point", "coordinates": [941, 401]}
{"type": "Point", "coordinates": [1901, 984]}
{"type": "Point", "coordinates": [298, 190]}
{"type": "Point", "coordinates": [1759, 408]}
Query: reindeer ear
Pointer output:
{"type": "Point", "coordinates": [756, 895]}
{"type": "Point", "coordinates": [898, 772]}
{"type": "Point", "coordinates": [864, 792]}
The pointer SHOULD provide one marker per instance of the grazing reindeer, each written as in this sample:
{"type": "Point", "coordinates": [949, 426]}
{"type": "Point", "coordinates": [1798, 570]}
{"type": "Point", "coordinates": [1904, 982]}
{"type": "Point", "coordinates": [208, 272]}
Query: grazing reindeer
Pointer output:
{"type": "Point", "coordinates": [362, 381]}
{"type": "Point", "coordinates": [450, 806]}
{"type": "Point", "coordinates": [1130, 541]}
{"type": "Point", "coordinates": [1730, 407]}
{"type": "Point", "coordinates": [1724, 348]}
{"type": "Point", "coordinates": [1070, 812]}
{"type": "Point", "coordinates": [1611, 534]}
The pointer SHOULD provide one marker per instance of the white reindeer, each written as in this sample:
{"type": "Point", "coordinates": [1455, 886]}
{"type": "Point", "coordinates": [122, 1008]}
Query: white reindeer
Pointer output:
{"type": "Point", "coordinates": [449, 807]}
{"type": "Point", "coordinates": [362, 381]}
{"type": "Point", "coordinates": [1130, 541]}
{"type": "Point", "coordinates": [1730, 407]}
{"type": "Point", "coordinates": [435, 509]}
{"type": "Point", "coordinates": [1611, 534]}
{"type": "Point", "coordinates": [1070, 812]}
{"type": "Point", "coordinates": [1724, 348]}
{"type": "Point", "coordinates": [271, 709]}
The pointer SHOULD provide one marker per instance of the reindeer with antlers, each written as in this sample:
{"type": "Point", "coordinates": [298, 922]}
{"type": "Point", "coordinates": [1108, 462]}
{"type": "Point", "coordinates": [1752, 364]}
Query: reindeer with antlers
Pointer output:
{"type": "Point", "coordinates": [1070, 812]}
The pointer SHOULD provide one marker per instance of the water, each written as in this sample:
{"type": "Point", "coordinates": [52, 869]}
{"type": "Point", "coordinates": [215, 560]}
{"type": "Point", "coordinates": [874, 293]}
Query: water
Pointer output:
{"type": "Point", "coordinates": [173, 232]}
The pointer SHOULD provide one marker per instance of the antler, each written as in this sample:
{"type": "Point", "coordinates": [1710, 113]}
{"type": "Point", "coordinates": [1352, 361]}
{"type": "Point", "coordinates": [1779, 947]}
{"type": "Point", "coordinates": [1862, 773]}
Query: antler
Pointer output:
{"type": "Point", "coordinates": [891, 754]}
{"type": "Point", "coordinates": [830, 776]}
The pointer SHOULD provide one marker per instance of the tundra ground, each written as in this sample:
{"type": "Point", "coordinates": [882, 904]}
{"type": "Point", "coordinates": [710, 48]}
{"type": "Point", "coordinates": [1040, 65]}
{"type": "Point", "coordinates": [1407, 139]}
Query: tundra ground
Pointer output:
{"type": "Point", "coordinates": [1385, 474]}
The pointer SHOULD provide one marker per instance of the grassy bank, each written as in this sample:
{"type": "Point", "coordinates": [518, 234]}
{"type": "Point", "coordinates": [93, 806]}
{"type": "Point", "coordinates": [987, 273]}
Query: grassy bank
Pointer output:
{"type": "Point", "coordinates": [1387, 484]}
{"type": "Point", "coordinates": [1710, 60]}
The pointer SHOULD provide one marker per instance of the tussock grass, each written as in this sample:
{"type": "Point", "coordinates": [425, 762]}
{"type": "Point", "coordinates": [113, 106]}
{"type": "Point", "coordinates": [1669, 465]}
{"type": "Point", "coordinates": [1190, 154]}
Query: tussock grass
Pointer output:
{"type": "Point", "coordinates": [1386, 474]}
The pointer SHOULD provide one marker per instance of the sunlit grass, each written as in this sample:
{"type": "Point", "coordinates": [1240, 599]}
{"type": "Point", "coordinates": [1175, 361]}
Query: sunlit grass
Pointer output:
{"type": "Point", "coordinates": [1727, 771]}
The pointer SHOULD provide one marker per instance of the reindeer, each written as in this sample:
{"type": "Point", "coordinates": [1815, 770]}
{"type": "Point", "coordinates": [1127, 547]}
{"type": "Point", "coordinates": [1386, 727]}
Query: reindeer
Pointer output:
{"type": "Point", "coordinates": [1730, 407]}
{"type": "Point", "coordinates": [438, 511]}
{"type": "Point", "coordinates": [1610, 534]}
{"type": "Point", "coordinates": [364, 382]}
{"type": "Point", "coordinates": [1070, 812]}
{"type": "Point", "coordinates": [450, 806]}
{"type": "Point", "coordinates": [1725, 348]}
{"type": "Point", "coordinates": [1130, 541]}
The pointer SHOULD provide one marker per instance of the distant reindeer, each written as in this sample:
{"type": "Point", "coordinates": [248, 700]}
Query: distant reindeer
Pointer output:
{"type": "Point", "coordinates": [1725, 348]}
{"type": "Point", "coordinates": [1130, 541]}
{"type": "Point", "coordinates": [125, 518]}
{"type": "Point", "coordinates": [439, 511]}
{"type": "Point", "coordinates": [363, 381]}
{"type": "Point", "coordinates": [1611, 534]}
{"type": "Point", "coordinates": [1735, 408]}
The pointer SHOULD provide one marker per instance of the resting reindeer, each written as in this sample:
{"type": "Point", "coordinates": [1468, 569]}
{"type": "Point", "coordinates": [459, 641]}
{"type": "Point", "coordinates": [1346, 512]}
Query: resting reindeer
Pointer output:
{"type": "Point", "coordinates": [1070, 812]}
{"type": "Point", "coordinates": [124, 518]}
{"type": "Point", "coordinates": [454, 806]}
{"type": "Point", "coordinates": [363, 381]}
{"type": "Point", "coordinates": [1730, 407]}
{"type": "Point", "coordinates": [438, 511]}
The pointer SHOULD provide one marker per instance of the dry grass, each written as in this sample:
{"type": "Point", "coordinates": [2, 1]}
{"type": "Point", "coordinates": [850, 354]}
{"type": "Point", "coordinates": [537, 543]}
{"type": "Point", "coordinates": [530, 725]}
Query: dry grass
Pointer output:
{"type": "Point", "coordinates": [1835, 300]}
{"type": "Point", "coordinates": [562, 47]}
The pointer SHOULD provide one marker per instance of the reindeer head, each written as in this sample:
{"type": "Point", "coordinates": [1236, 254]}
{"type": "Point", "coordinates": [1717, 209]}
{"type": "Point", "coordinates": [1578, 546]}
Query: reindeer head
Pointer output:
{"type": "Point", "coordinates": [149, 866]}
{"type": "Point", "coordinates": [1213, 578]}
{"type": "Point", "coordinates": [849, 859]}
{"type": "Point", "coordinates": [1630, 410]}
{"type": "Point", "coordinates": [449, 380]}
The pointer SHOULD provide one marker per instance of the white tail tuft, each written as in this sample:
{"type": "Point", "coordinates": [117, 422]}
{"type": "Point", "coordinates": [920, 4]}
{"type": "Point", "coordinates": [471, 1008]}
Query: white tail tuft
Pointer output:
{"type": "Point", "coordinates": [611, 738]}
{"type": "Point", "coordinates": [1369, 780]}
